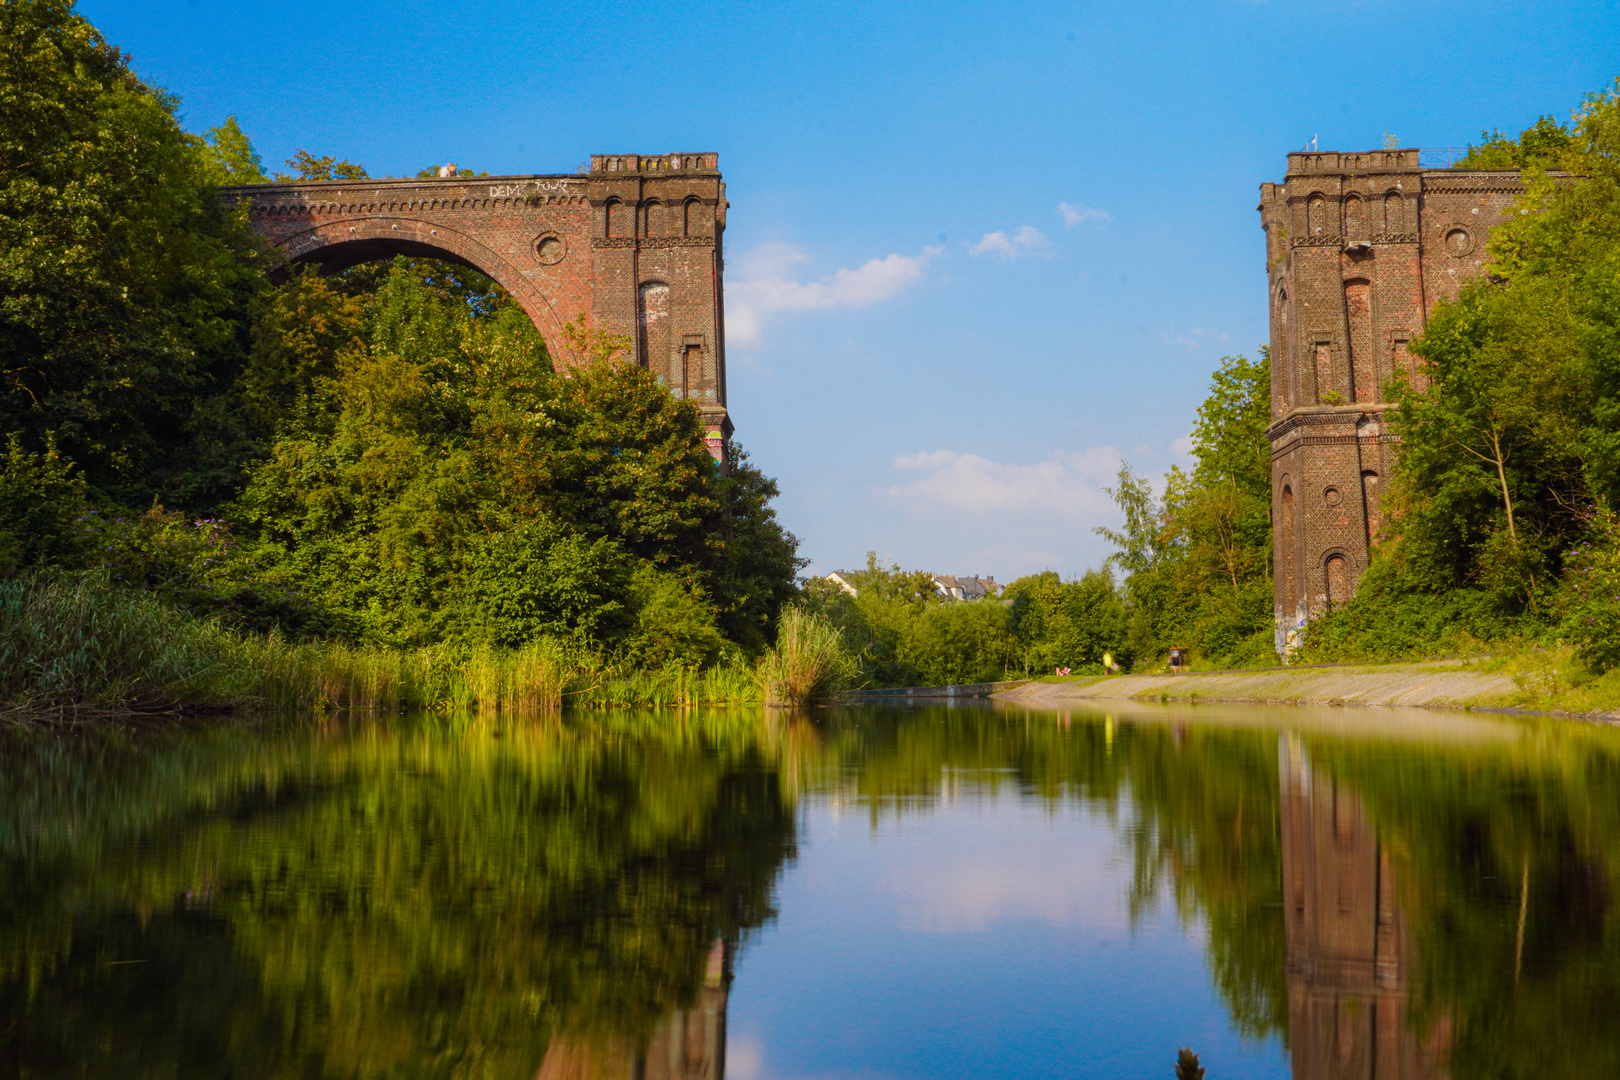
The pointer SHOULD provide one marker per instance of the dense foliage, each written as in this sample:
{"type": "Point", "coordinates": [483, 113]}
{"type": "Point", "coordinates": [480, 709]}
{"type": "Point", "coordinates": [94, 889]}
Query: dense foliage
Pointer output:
{"type": "Point", "coordinates": [124, 283]}
{"type": "Point", "coordinates": [383, 456]}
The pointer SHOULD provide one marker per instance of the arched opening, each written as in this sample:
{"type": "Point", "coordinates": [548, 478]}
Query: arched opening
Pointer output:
{"type": "Point", "coordinates": [1285, 548]}
{"type": "Point", "coordinates": [656, 219]}
{"type": "Point", "coordinates": [614, 215]}
{"type": "Point", "coordinates": [1372, 498]}
{"type": "Point", "coordinates": [1282, 365]}
{"type": "Point", "coordinates": [1316, 216]}
{"type": "Point", "coordinates": [653, 337]}
{"type": "Point", "coordinates": [1394, 214]}
{"type": "Point", "coordinates": [1336, 572]}
{"type": "Point", "coordinates": [1355, 219]}
{"type": "Point", "coordinates": [1363, 364]}
{"type": "Point", "coordinates": [360, 253]}
{"type": "Point", "coordinates": [691, 223]}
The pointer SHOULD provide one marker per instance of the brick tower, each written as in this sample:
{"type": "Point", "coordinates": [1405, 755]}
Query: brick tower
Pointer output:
{"type": "Point", "coordinates": [1359, 249]}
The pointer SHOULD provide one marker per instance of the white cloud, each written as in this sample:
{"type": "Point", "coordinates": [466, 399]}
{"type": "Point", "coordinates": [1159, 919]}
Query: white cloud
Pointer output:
{"type": "Point", "coordinates": [765, 283]}
{"type": "Point", "coordinates": [1066, 482]}
{"type": "Point", "coordinates": [1183, 445]}
{"type": "Point", "coordinates": [1028, 240]}
{"type": "Point", "coordinates": [1074, 215]}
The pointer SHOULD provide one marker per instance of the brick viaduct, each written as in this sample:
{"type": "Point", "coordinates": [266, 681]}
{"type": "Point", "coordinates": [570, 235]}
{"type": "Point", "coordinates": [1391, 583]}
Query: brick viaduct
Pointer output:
{"type": "Point", "coordinates": [1359, 249]}
{"type": "Point", "coordinates": [634, 245]}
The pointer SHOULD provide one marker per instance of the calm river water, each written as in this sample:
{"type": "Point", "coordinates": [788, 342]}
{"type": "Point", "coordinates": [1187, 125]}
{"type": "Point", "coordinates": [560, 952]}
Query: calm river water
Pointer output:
{"type": "Point", "coordinates": [963, 892]}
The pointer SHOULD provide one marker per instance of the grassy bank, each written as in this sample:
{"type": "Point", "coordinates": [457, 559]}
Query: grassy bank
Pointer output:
{"type": "Point", "coordinates": [76, 649]}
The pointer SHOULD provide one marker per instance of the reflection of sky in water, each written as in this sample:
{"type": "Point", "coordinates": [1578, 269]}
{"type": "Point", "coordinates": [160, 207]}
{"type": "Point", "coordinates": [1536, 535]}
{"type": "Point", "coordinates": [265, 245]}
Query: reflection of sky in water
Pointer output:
{"type": "Point", "coordinates": [985, 937]}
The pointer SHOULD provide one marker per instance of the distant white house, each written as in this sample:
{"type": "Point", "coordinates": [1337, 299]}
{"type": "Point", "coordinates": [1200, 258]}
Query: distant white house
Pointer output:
{"type": "Point", "coordinates": [958, 587]}
{"type": "Point", "coordinates": [962, 587]}
{"type": "Point", "coordinates": [840, 578]}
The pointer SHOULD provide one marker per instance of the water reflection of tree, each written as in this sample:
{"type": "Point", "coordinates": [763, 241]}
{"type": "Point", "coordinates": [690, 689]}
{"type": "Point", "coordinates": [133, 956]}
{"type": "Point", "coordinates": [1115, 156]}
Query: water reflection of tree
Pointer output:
{"type": "Point", "coordinates": [431, 903]}
{"type": "Point", "coordinates": [1506, 855]}
{"type": "Point", "coordinates": [1497, 857]}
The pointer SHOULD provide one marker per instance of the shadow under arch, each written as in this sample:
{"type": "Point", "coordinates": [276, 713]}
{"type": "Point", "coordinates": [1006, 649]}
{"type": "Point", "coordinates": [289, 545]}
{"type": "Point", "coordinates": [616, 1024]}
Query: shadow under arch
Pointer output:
{"type": "Point", "coordinates": [336, 246]}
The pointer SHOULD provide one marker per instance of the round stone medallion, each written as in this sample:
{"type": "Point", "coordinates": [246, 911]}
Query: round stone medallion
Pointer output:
{"type": "Point", "coordinates": [550, 249]}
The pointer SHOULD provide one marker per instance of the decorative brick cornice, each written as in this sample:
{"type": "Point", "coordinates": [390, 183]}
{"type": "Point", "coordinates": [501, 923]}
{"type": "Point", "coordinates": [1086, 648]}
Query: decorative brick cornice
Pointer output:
{"type": "Point", "coordinates": [648, 242]}
{"type": "Point", "coordinates": [1305, 416]}
{"type": "Point", "coordinates": [1337, 240]}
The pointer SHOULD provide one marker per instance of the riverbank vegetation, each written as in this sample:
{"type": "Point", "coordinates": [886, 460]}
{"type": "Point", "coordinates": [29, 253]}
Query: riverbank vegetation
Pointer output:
{"type": "Point", "coordinates": [372, 489]}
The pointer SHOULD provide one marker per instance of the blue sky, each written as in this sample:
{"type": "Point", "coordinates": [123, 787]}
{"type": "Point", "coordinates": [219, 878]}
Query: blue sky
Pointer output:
{"type": "Point", "coordinates": [976, 253]}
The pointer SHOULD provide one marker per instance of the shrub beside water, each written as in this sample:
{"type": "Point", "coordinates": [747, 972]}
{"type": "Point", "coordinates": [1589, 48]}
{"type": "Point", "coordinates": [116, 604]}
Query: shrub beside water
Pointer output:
{"type": "Point", "coordinates": [810, 664]}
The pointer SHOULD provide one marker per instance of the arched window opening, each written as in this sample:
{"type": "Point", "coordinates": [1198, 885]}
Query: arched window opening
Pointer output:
{"type": "Point", "coordinates": [1372, 496]}
{"type": "Point", "coordinates": [655, 215]}
{"type": "Point", "coordinates": [654, 337]}
{"type": "Point", "coordinates": [691, 222]}
{"type": "Point", "coordinates": [1285, 549]}
{"type": "Point", "coordinates": [1394, 214]}
{"type": "Point", "coordinates": [1282, 366]}
{"type": "Point", "coordinates": [1316, 216]}
{"type": "Point", "coordinates": [1363, 364]}
{"type": "Point", "coordinates": [1337, 574]}
{"type": "Point", "coordinates": [1355, 219]}
{"type": "Point", "coordinates": [615, 214]}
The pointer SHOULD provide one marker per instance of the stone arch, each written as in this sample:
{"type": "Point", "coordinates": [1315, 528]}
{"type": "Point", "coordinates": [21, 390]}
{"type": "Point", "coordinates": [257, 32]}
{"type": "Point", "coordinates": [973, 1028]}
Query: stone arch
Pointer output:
{"type": "Point", "coordinates": [338, 245]}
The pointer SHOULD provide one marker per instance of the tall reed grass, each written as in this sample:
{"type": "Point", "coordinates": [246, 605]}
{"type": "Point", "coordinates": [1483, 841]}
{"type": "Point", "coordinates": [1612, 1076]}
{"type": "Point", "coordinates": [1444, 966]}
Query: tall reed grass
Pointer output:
{"type": "Point", "coordinates": [74, 647]}
{"type": "Point", "coordinates": [810, 664]}
{"type": "Point", "coordinates": [733, 683]}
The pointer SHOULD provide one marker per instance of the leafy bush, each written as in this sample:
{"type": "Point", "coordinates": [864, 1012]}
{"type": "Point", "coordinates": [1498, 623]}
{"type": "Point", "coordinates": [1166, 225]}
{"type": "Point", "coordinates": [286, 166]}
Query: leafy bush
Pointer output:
{"type": "Point", "coordinates": [1592, 620]}
{"type": "Point", "coordinates": [541, 579]}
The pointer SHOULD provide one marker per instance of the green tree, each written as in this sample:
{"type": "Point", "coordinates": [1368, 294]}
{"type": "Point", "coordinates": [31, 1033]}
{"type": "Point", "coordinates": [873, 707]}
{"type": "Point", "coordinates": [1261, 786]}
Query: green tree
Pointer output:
{"type": "Point", "coordinates": [1197, 562]}
{"type": "Point", "coordinates": [310, 168]}
{"type": "Point", "coordinates": [123, 280]}
{"type": "Point", "coordinates": [231, 157]}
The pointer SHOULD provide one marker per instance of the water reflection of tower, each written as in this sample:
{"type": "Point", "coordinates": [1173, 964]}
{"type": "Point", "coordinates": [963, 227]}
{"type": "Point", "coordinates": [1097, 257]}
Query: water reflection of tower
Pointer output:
{"type": "Point", "coordinates": [688, 1044]}
{"type": "Point", "coordinates": [1350, 955]}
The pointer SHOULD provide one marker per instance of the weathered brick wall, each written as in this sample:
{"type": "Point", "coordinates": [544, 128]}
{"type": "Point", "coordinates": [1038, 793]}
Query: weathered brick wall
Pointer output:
{"type": "Point", "coordinates": [1360, 247]}
{"type": "Point", "coordinates": [635, 245]}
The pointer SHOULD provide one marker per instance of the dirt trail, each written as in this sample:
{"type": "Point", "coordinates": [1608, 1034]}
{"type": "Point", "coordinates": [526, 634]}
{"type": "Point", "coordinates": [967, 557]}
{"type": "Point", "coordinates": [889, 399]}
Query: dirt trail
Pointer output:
{"type": "Point", "coordinates": [1438, 684]}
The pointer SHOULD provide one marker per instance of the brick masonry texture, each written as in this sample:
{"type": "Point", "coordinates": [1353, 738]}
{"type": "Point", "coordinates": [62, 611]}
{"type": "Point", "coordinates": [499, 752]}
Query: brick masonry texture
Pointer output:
{"type": "Point", "coordinates": [1359, 249]}
{"type": "Point", "coordinates": [634, 245]}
